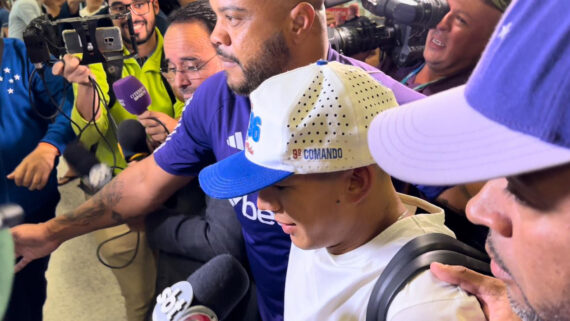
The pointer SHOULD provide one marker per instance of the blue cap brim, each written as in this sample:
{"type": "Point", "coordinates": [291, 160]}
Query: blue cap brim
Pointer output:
{"type": "Point", "coordinates": [237, 176]}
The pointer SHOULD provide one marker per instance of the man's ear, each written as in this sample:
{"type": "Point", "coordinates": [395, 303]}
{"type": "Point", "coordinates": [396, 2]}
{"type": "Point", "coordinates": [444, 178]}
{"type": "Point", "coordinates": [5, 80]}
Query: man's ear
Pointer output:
{"type": "Point", "coordinates": [359, 184]}
{"type": "Point", "coordinates": [155, 7]}
{"type": "Point", "coordinates": [302, 17]}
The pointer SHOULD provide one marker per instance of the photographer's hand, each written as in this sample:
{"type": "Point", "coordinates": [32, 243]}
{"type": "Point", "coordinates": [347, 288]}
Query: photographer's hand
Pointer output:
{"type": "Point", "coordinates": [71, 69]}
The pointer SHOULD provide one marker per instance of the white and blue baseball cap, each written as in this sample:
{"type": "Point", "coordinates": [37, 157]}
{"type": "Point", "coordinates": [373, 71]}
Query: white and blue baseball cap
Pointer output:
{"type": "Point", "coordinates": [512, 117]}
{"type": "Point", "coordinates": [313, 119]}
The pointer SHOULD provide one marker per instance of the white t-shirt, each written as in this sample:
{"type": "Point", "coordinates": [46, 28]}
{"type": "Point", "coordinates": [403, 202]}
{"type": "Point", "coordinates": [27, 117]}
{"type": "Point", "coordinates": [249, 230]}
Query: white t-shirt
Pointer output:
{"type": "Point", "coordinates": [321, 286]}
{"type": "Point", "coordinates": [21, 14]}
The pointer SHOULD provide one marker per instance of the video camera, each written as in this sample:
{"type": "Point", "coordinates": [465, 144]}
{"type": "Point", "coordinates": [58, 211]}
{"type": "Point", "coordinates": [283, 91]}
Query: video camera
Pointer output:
{"type": "Point", "coordinates": [402, 35]}
{"type": "Point", "coordinates": [94, 37]}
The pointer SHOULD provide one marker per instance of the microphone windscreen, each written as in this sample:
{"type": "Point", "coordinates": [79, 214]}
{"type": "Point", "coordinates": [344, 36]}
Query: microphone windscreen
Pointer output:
{"type": "Point", "coordinates": [79, 158]}
{"type": "Point", "coordinates": [132, 95]}
{"type": "Point", "coordinates": [220, 284]}
{"type": "Point", "coordinates": [132, 138]}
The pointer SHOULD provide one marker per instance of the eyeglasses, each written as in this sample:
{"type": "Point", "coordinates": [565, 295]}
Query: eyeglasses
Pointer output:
{"type": "Point", "coordinates": [137, 7]}
{"type": "Point", "coordinates": [192, 71]}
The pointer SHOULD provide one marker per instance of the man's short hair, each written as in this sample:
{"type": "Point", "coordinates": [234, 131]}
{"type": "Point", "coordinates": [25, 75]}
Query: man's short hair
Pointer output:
{"type": "Point", "coordinates": [500, 5]}
{"type": "Point", "coordinates": [197, 11]}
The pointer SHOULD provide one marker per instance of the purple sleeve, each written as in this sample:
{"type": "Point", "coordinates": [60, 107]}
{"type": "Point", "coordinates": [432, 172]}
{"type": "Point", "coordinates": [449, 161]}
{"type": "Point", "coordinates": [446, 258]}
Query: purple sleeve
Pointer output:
{"type": "Point", "coordinates": [187, 150]}
{"type": "Point", "coordinates": [403, 94]}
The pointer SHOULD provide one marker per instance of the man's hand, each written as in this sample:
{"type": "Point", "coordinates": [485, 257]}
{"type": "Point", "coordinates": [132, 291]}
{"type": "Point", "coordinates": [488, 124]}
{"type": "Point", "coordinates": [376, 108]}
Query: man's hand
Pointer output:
{"type": "Point", "coordinates": [72, 71]}
{"type": "Point", "coordinates": [31, 241]}
{"type": "Point", "coordinates": [154, 129]}
{"type": "Point", "coordinates": [491, 292]}
{"type": "Point", "coordinates": [33, 172]}
{"type": "Point", "coordinates": [86, 101]}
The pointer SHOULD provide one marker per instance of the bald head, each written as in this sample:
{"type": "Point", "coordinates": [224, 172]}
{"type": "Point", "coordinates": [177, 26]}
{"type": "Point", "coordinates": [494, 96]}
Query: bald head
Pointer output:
{"type": "Point", "coordinates": [261, 38]}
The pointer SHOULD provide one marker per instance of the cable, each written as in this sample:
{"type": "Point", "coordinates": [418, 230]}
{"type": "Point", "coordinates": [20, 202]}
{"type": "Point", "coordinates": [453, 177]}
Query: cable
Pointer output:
{"type": "Point", "coordinates": [161, 124]}
{"type": "Point", "coordinates": [129, 262]}
{"type": "Point", "coordinates": [59, 106]}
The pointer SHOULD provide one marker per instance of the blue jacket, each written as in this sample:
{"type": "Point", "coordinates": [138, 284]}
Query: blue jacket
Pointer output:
{"type": "Point", "coordinates": [21, 128]}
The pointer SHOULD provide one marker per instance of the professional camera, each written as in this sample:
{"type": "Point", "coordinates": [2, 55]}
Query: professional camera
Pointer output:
{"type": "Point", "coordinates": [402, 35]}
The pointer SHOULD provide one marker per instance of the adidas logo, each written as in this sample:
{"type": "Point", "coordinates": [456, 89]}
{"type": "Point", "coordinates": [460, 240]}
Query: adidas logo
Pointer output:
{"type": "Point", "coordinates": [235, 141]}
{"type": "Point", "coordinates": [234, 201]}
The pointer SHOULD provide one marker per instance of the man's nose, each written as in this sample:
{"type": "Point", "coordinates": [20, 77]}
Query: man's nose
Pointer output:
{"type": "Point", "coordinates": [491, 208]}
{"type": "Point", "coordinates": [219, 36]}
{"type": "Point", "coordinates": [181, 80]}
{"type": "Point", "coordinates": [267, 202]}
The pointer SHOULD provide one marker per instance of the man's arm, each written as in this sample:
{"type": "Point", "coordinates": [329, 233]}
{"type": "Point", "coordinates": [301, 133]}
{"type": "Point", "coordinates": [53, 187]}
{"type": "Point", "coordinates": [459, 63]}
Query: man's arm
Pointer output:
{"type": "Point", "coordinates": [34, 170]}
{"type": "Point", "coordinates": [138, 190]}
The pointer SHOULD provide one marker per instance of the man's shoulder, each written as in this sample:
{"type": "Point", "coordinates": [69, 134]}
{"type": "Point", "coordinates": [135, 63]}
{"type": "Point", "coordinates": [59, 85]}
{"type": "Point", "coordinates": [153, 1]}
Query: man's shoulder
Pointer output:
{"type": "Point", "coordinates": [216, 89]}
{"type": "Point", "coordinates": [14, 50]}
{"type": "Point", "coordinates": [333, 55]}
{"type": "Point", "coordinates": [425, 294]}
{"type": "Point", "coordinates": [18, 5]}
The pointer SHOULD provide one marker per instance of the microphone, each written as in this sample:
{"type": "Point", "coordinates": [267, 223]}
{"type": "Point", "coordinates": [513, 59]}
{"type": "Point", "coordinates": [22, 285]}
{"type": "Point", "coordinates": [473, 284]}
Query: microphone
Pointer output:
{"type": "Point", "coordinates": [10, 215]}
{"type": "Point", "coordinates": [209, 294]}
{"type": "Point", "coordinates": [87, 165]}
{"type": "Point", "coordinates": [132, 95]}
{"type": "Point", "coordinates": [132, 140]}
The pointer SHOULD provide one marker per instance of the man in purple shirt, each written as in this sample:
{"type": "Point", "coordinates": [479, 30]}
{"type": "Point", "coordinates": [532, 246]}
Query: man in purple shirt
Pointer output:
{"type": "Point", "coordinates": [213, 127]}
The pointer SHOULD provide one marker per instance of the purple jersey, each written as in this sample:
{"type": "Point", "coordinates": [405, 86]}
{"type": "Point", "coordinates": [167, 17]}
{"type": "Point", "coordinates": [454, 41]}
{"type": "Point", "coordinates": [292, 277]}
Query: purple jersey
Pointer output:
{"type": "Point", "coordinates": [213, 127]}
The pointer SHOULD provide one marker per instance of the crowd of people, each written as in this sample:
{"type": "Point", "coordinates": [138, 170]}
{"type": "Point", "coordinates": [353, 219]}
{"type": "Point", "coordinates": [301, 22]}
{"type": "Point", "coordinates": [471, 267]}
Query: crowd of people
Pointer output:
{"type": "Point", "coordinates": [308, 169]}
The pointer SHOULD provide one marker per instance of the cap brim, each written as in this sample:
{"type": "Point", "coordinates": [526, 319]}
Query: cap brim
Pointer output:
{"type": "Point", "coordinates": [237, 176]}
{"type": "Point", "coordinates": [441, 140]}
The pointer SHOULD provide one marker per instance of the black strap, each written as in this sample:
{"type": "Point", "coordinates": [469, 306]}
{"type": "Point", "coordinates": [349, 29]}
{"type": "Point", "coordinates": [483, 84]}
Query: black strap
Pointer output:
{"type": "Point", "coordinates": [114, 71]}
{"type": "Point", "coordinates": [415, 257]}
{"type": "Point", "coordinates": [164, 65]}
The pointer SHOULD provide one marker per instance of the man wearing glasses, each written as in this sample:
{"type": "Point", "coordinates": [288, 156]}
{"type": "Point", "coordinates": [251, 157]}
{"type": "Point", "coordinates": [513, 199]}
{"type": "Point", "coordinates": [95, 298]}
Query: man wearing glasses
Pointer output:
{"type": "Point", "coordinates": [136, 280]}
{"type": "Point", "coordinates": [190, 57]}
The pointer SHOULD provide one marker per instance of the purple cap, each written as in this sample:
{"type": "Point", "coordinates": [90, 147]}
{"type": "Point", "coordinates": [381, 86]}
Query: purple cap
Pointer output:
{"type": "Point", "coordinates": [512, 117]}
{"type": "Point", "coordinates": [132, 95]}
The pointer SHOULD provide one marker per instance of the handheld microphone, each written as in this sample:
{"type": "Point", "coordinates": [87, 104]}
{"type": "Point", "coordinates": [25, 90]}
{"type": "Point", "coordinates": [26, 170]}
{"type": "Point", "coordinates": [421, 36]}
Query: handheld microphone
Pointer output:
{"type": "Point", "coordinates": [209, 294]}
{"type": "Point", "coordinates": [10, 215]}
{"type": "Point", "coordinates": [87, 165]}
{"type": "Point", "coordinates": [132, 140]}
{"type": "Point", "coordinates": [132, 95]}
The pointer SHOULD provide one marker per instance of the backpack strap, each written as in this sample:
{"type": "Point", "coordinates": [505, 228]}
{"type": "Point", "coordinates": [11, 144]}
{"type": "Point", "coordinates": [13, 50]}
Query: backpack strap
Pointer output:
{"type": "Point", "coordinates": [415, 257]}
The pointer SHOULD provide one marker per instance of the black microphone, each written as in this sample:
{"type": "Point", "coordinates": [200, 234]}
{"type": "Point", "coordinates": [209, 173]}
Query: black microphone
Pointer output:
{"type": "Point", "coordinates": [209, 294]}
{"type": "Point", "coordinates": [132, 140]}
{"type": "Point", "coordinates": [87, 165]}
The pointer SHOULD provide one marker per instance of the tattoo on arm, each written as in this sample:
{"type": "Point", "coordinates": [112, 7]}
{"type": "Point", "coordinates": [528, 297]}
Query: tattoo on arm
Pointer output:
{"type": "Point", "coordinates": [101, 203]}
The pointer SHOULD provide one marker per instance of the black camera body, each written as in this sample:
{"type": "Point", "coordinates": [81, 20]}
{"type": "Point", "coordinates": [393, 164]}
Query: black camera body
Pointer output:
{"type": "Point", "coordinates": [403, 34]}
{"type": "Point", "coordinates": [93, 37]}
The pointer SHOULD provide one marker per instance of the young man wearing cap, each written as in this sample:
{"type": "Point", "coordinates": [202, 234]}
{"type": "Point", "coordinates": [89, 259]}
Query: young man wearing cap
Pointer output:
{"type": "Point", "coordinates": [305, 154]}
{"type": "Point", "coordinates": [510, 125]}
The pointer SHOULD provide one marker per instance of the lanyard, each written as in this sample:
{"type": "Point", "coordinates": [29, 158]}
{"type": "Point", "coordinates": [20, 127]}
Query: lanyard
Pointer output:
{"type": "Point", "coordinates": [415, 72]}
